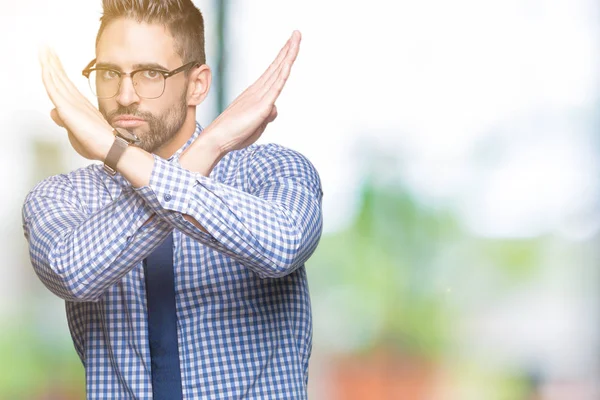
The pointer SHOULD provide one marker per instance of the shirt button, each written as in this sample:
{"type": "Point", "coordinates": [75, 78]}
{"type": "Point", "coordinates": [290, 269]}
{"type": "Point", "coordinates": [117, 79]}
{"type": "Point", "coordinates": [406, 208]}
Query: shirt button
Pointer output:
{"type": "Point", "coordinates": [167, 197]}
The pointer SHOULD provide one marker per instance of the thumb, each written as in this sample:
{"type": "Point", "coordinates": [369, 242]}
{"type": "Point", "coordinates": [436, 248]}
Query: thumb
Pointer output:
{"type": "Point", "coordinates": [56, 118]}
{"type": "Point", "coordinates": [272, 114]}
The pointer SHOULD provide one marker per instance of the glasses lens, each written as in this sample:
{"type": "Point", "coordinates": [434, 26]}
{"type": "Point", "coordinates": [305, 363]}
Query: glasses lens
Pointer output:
{"type": "Point", "coordinates": [104, 83]}
{"type": "Point", "coordinates": [149, 83]}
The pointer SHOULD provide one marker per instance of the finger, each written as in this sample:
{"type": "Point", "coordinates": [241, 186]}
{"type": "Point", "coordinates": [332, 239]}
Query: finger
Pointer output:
{"type": "Point", "coordinates": [275, 64]}
{"type": "Point", "coordinates": [42, 56]}
{"type": "Point", "coordinates": [56, 96]}
{"type": "Point", "coordinates": [275, 90]}
{"type": "Point", "coordinates": [56, 118]}
{"type": "Point", "coordinates": [56, 67]}
{"type": "Point", "coordinates": [49, 71]}
{"type": "Point", "coordinates": [65, 86]}
{"type": "Point", "coordinates": [56, 99]}
{"type": "Point", "coordinates": [295, 47]}
{"type": "Point", "coordinates": [51, 82]}
{"type": "Point", "coordinates": [260, 82]}
{"type": "Point", "coordinates": [291, 53]}
{"type": "Point", "coordinates": [286, 64]}
{"type": "Point", "coordinates": [261, 85]}
{"type": "Point", "coordinates": [62, 80]}
{"type": "Point", "coordinates": [47, 77]}
{"type": "Point", "coordinates": [272, 114]}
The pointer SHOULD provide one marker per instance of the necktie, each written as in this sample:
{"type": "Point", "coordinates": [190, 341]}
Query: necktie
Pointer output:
{"type": "Point", "coordinates": [162, 322]}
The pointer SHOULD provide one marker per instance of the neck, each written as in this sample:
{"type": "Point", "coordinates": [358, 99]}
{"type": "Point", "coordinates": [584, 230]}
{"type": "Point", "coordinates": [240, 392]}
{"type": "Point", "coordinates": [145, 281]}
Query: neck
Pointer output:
{"type": "Point", "coordinates": [181, 137]}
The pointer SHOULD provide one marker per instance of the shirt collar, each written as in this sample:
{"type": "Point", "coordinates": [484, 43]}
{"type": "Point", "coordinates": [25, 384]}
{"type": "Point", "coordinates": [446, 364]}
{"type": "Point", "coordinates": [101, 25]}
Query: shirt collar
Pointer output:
{"type": "Point", "coordinates": [187, 144]}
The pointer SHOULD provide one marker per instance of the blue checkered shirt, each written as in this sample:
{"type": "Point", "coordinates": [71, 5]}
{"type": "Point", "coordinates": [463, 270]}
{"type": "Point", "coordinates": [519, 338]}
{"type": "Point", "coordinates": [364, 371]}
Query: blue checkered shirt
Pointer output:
{"type": "Point", "coordinates": [243, 307]}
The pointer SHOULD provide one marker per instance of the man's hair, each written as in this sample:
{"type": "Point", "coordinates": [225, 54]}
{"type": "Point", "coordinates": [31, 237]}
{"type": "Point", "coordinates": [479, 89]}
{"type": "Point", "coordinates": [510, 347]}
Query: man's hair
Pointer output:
{"type": "Point", "coordinates": [181, 17]}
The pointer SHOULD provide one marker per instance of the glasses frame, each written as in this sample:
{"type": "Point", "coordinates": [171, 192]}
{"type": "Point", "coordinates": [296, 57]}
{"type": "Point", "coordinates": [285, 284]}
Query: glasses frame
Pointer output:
{"type": "Point", "coordinates": [166, 74]}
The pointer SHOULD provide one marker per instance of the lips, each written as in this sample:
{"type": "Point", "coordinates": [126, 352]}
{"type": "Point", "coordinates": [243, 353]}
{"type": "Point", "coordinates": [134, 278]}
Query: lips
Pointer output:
{"type": "Point", "coordinates": [128, 121]}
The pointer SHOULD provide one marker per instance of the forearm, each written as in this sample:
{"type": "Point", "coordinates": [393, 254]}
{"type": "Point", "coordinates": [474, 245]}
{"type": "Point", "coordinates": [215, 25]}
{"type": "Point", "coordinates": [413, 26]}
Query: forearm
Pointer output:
{"type": "Point", "coordinates": [136, 165]}
{"type": "Point", "coordinates": [272, 230]}
{"type": "Point", "coordinates": [78, 256]}
{"type": "Point", "coordinates": [261, 234]}
{"type": "Point", "coordinates": [202, 157]}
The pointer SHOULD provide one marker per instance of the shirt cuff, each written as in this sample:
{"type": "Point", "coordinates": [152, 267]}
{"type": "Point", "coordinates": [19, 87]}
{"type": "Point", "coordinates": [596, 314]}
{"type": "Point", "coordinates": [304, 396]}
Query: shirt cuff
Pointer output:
{"type": "Point", "coordinates": [169, 194]}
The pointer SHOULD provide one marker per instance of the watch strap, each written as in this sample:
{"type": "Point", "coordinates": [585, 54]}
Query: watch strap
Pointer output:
{"type": "Point", "coordinates": [114, 154]}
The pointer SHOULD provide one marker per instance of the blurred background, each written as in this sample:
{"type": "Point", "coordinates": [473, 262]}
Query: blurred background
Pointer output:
{"type": "Point", "coordinates": [458, 147]}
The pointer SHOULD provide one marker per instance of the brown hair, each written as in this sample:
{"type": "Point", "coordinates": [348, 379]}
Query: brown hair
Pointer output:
{"type": "Point", "coordinates": [181, 17]}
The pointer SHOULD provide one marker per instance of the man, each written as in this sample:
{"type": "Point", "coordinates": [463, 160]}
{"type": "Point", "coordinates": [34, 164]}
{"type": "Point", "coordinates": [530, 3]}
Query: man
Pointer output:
{"type": "Point", "coordinates": [181, 256]}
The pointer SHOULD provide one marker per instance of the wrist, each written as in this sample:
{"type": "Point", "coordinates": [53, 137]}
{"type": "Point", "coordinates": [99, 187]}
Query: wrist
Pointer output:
{"type": "Point", "coordinates": [105, 145]}
{"type": "Point", "coordinates": [203, 155]}
{"type": "Point", "coordinates": [136, 166]}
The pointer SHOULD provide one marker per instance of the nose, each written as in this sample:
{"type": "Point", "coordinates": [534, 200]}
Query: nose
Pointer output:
{"type": "Point", "coordinates": [127, 95]}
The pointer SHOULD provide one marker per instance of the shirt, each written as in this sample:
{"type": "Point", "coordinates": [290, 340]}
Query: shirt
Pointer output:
{"type": "Point", "coordinates": [242, 299]}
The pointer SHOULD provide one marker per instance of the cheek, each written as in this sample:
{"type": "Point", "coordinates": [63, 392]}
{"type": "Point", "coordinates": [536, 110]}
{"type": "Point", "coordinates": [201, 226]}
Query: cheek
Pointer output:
{"type": "Point", "coordinates": [166, 107]}
{"type": "Point", "coordinates": [175, 91]}
{"type": "Point", "coordinates": [170, 99]}
{"type": "Point", "coordinates": [106, 106]}
{"type": "Point", "coordinates": [156, 107]}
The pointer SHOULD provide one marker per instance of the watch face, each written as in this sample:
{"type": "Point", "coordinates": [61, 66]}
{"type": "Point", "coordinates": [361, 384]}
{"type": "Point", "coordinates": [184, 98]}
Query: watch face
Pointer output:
{"type": "Point", "coordinates": [127, 135]}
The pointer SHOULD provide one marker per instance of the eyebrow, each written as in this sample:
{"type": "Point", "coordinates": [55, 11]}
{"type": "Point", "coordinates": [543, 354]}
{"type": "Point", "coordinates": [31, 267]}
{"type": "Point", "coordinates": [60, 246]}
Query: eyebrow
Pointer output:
{"type": "Point", "coordinates": [135, 66]}
{"type": "Point", "coordinates": [150, 66]}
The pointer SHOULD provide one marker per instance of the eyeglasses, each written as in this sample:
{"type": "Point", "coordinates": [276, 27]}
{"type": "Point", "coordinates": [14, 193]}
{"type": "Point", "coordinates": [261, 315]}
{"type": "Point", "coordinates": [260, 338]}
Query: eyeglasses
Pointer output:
{"type": "Point", "coordinates": [148, 83]}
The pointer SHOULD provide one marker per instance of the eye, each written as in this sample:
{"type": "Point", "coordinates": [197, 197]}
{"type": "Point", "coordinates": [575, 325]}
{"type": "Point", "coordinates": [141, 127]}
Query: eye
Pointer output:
{"type": "Point", "coordinates": [151, 74]}
{"type": "Point", "coordinates": [107, 74]}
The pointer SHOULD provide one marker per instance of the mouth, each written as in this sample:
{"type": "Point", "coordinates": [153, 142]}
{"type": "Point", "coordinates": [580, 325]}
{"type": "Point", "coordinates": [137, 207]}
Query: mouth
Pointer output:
{"type": "Point", "coordinates": [127, 121]}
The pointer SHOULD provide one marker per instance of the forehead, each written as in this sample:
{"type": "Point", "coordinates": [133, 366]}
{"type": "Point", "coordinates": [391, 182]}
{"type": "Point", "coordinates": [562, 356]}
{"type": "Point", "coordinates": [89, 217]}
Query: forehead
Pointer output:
{"type": "Point", "coordinates": [126, 42]}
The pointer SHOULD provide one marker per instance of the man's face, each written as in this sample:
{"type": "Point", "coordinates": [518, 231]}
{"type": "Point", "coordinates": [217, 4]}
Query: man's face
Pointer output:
{"type": "Point", "coordinates": [127, 45]}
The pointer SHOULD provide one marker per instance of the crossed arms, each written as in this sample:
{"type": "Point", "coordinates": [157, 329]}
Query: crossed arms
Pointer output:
{"type": "Point", "coordinates": [79, 252]}
{"type": "Point", "coordinates": [272, 227]}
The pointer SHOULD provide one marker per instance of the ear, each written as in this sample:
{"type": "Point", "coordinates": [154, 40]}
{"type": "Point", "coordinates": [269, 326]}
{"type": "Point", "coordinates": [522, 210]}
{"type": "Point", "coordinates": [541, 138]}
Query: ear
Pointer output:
{"type": "Point", "coordinates": [199, 84]}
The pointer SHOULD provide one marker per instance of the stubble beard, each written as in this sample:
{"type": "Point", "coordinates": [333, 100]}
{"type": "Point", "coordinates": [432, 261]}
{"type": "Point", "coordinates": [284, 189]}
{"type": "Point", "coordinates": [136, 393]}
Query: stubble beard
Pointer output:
{"type": "Point", "coordinates": [161, 129]}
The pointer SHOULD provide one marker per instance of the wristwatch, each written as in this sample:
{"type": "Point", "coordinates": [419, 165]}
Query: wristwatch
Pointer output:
{"type": "Point", "coordinates": [123, 139]}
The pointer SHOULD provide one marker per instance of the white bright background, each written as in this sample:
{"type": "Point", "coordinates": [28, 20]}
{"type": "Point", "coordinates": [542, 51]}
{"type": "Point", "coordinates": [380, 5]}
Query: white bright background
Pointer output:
{"type": "Point", "coordinates": [487, 105]}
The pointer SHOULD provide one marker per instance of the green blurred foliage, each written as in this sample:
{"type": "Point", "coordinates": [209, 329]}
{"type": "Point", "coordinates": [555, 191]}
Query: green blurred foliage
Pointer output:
{"type": "Point", "coordinates": [37, 365]}
{"type": "Point", "coordinates": [391, 274]}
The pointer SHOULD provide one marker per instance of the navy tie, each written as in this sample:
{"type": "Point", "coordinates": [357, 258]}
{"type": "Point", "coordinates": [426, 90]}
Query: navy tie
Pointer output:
{"type": "Point", "coordinates": [162, 322]}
